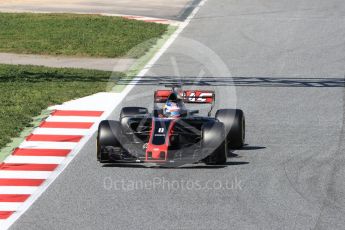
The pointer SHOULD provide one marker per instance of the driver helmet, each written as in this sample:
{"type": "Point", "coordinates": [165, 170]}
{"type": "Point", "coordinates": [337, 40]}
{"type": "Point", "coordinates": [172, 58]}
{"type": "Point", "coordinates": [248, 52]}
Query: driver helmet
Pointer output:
{"type": "Point", "coordinates": [171, 110]}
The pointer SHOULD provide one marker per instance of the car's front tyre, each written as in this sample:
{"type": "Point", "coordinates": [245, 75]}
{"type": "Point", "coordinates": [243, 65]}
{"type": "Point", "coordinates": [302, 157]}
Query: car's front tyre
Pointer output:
{"type": "Point", "coordinates": [108, 138]}
{"type": "Point", "coordinates": [214, 143]}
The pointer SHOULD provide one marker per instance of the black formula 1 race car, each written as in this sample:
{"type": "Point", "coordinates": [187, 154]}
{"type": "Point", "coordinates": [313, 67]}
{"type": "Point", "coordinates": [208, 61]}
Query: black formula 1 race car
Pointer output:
{"type": "Point", "coordinates": [148, 137]}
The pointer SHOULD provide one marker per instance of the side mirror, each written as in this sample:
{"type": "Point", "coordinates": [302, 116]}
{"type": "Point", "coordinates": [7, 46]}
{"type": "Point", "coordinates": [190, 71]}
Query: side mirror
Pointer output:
{"type": "Point", "coordinates": [192, 112]}
{"type": "Point", "coordinates": [157, 112]}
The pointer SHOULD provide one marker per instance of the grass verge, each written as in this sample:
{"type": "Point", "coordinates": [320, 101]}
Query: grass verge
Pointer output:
{"type": "Point", "coordinates": [79, 35]}
{"type": "Point", "coordinates": [27, 90]}
{"type": "Point", "coordinates": [142, 61]}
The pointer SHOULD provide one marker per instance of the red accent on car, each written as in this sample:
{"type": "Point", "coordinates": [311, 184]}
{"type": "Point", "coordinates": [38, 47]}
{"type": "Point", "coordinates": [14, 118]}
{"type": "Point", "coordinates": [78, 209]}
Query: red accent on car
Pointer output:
{"type": "Point", "coordinates": [161, 96]}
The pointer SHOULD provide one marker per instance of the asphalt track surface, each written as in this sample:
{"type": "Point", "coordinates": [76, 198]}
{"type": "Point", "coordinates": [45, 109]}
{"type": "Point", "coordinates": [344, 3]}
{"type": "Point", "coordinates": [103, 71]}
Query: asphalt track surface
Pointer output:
{"type": "Point", "coordinates": [287, 60]}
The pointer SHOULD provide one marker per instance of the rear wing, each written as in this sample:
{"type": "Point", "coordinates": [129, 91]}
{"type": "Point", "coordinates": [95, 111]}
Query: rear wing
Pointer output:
{"type": "Point", "coordinates": [199, 96]}
{"type": "Point", "coordinates": [187, 96]}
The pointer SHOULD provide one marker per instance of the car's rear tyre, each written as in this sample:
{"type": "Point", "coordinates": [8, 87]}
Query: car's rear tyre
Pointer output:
{"type": "Point", "coordinates": [234, 123]}
{"type": "Point", "coordinates": [128, 112]}
{"type": "Point", "coordinates": [108, 136]}
{"type": "Point", "coordinates": [133, 111]}
{"type": "Point", "coordinates": [214, 143]}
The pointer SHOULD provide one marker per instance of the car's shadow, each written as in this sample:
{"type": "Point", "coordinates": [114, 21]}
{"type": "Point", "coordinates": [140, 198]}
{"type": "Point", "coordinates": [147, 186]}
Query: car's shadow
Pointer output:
{"type": "Point", "coordinates": [231, 162]}
{"type": "Point", "coordinates": [252, 147]}
{"type": "Point", "coordinates": [190, 166]}
{"type": "Point", "coordinates": [231, 156]}
{"type": "Point", "coordinates": [187, 166]}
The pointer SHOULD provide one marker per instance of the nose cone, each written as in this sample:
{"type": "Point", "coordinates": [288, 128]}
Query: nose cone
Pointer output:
{"type": "Point", "coordinates": [157, 154]}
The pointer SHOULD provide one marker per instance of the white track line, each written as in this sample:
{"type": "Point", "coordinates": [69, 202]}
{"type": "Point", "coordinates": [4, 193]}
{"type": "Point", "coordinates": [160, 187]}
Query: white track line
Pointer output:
{"type": "Point", "coordinates": [143, 18]}
{"type": "Point", "coordinates": [59, 131]}
{"type": "Point", "coordinates": [47, 145]}
{"type": "Point", "coordinates": [160, 21]}
{"type": "Point", "coordinates": [171, 22]}
{"type": "Point", "coordinates": [105, 115]}
{"type": "Point", "coordinates": [72, 119]}
{"type": "Point", "coordinates": [19, 174]}
{"type": "Point", "coordinates": [10, 206]}
{"type": "Point", "coordinates": [34, 159]}
{"type": "Point", "coordinates": [17, 189]}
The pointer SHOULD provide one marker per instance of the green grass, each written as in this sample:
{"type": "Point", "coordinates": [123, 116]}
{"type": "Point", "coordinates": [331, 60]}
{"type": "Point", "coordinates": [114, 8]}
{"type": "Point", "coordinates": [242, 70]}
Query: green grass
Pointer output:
{"type": "Point", "coordinates": [27, 90]}
{"type": "Point", "coordinates": [79, 35]}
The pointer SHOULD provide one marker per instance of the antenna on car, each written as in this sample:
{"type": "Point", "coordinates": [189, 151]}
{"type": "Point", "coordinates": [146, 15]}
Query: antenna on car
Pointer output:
{"type": "Point", "coordinates": [173, 85]}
